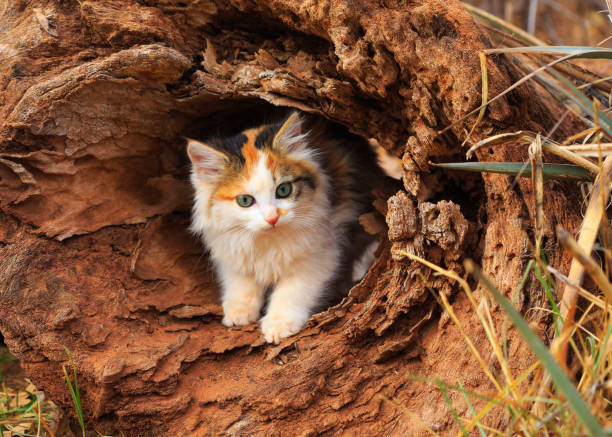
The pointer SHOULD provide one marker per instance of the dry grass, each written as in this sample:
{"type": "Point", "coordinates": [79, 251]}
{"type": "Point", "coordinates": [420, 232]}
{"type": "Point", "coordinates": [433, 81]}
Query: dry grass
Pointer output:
{"type": "Point", "coordinates": [568, 390]}
{"type": "Point", "coordinates": [24, 410]}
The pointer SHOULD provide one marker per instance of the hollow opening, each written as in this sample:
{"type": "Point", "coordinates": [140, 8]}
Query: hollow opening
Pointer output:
{"type": "Point", "coordinates": [462, 188]}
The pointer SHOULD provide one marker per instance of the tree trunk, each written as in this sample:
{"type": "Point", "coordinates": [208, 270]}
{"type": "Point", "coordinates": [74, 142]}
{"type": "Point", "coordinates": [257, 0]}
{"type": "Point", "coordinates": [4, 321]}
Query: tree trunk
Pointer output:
{"type": "Point", "coordinates": [96, 98]}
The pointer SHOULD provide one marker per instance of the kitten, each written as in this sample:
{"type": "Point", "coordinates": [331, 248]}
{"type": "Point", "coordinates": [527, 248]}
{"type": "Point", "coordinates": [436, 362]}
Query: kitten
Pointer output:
{"type": "Point", "coordinates": [277, 206]}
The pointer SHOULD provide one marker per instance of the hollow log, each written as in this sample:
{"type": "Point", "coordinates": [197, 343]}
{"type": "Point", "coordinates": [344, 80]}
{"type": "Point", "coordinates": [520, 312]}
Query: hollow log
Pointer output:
{"type": "Point", "coordinates": [96, 98]}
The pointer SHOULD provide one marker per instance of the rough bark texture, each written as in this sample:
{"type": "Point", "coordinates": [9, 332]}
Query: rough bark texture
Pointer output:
{"type": "Point", "coordinates": [95, 99]}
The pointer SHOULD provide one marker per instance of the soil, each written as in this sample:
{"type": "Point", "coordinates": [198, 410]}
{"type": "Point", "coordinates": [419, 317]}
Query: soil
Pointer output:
{"type": "Point", "coordinates": [96, 98]}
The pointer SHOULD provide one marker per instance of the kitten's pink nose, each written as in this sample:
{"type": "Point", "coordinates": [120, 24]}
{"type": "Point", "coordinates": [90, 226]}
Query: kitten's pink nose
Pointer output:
{"type": "Point", "coordinates": [272, 220]}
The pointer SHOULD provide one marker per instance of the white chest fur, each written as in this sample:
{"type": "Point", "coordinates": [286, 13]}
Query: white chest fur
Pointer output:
{"type": "Point", "coordinates": [269, 255]}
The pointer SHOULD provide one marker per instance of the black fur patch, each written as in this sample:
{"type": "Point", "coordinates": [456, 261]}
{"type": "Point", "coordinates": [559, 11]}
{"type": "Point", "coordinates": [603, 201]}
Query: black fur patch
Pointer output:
{"type": "Point", "coordinates": [234, 144]}
{"type": "Point", "coordinates": [265, 137]}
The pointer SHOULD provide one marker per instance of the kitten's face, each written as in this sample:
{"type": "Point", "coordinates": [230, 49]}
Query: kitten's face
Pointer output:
{"type": "Point", "coordinates": [262, 179]}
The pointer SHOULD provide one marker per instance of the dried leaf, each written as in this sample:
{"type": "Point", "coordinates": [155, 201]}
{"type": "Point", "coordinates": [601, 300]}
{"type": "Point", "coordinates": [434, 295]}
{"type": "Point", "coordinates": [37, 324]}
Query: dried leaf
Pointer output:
{"type": "Point", "coordinates": [44, 21]}
{"type": "Point", "coordinates": [210, 64]}
{"type": "Point", "coordinates": [210, 58]}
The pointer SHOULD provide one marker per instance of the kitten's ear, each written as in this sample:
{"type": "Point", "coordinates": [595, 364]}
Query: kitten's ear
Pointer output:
{"type": "Point", "coordinates": [290, 137]}
{"type": "Point", "coordinates": [207, 161]}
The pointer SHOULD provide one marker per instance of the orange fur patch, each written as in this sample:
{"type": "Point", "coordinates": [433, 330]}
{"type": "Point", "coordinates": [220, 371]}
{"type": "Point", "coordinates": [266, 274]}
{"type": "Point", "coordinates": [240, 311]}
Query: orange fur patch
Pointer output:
{"type": "Point", "coordinates": [219, 195]}
{"type": "Point", "coordinates": [271, 160]}
{"type": "Point", "coordinates": [249, 151]}
{"type": "Point", "coordinates": [228, 189]}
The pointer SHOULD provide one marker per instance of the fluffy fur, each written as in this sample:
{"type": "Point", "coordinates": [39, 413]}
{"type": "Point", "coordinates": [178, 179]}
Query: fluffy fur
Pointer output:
{"type": "Point", "coordinates": [294, 244]}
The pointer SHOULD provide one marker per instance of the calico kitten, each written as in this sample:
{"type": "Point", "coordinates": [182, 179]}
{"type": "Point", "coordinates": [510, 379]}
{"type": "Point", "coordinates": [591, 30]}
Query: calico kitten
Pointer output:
{"type": "Point", "coordinates": [277, 206]}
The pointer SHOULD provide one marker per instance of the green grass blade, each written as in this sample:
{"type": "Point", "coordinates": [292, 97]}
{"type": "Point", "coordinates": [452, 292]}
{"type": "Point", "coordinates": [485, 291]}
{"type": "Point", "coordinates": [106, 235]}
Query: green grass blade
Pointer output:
{"type": "Point", "coordinates": [26, 408]}
{"type": "Point", "coordinates": [69, 383]}
{"type": "Point", "coordinates": [547, 288]}
{"type": "Point", "coordinates": [467, 401]}
{"type": "Point", "coordinates": [74, 390]}
{"type": "Point", "coordinates": [551, 171]}
{"type": "Point", "coordinates": [541, 351]}
{"type": "Point", "coordinates": [582, 101]}
{"type": "Point", "coordinates": [76, 382]}
{"type": "Point", "coordinates": [592, 349]}
{"type": "Point", "coordinates": [519, 289]}
{"type": "Point", "coordinates": [603, 348]}
{"type": "Point", "coordinates": [450, 405]}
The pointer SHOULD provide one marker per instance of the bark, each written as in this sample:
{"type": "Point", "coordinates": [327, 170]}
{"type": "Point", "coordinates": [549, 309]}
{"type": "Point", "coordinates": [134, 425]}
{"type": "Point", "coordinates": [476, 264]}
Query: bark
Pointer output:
{"type": "Point", "coordinates": [96, 98]}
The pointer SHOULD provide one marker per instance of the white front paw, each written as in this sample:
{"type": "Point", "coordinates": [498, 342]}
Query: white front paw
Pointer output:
{"type": "Point", "coordinates": [276, 327]}
{"type": "Point", "coordinates": [239, 313]}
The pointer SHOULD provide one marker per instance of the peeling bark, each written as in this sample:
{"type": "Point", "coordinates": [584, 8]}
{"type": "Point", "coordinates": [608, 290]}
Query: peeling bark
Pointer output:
{"type": "Point", "coordinates": [94, 205]}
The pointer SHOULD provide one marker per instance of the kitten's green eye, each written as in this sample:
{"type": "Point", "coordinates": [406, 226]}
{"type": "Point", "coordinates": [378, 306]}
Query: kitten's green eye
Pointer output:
{"type": "Point", "coordinates": [245, 200]}
{"type": "Point", "coordinates": [283, 190]}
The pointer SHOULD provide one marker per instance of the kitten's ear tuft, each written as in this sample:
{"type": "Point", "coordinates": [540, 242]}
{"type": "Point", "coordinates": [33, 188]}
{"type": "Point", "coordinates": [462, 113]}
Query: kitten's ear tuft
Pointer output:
{"type": "Point", "coordinates": [290, 137]}
{"type": "Point", "coordinates": [207, 162]}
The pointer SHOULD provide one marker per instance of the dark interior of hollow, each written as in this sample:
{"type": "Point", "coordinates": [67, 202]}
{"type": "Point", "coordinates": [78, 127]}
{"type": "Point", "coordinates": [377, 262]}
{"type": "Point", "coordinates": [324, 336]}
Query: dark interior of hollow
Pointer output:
{"type": "Point", "coordinates": [240, 116]}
